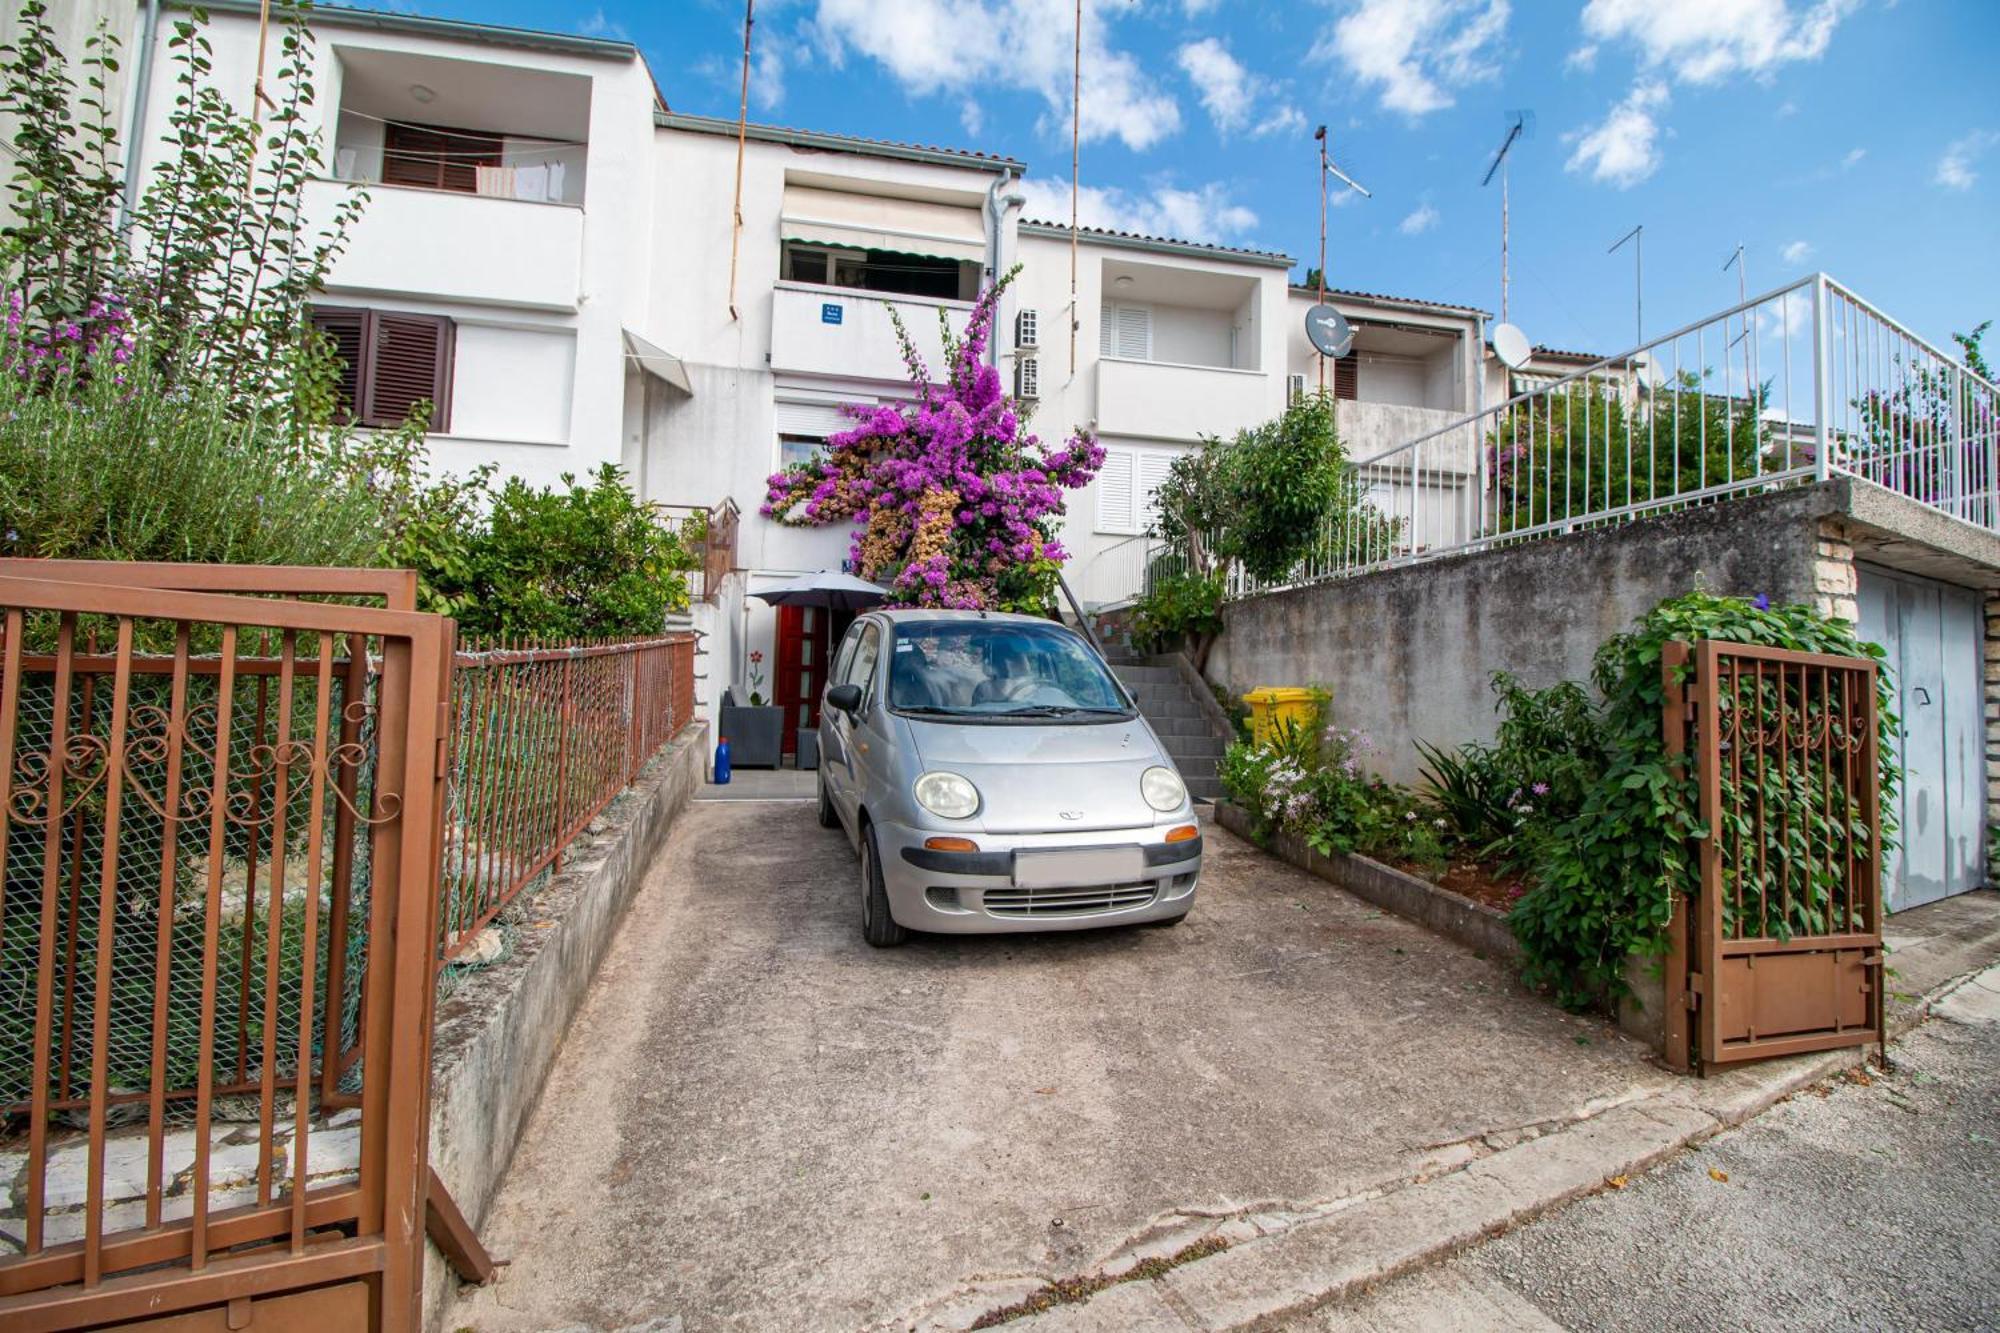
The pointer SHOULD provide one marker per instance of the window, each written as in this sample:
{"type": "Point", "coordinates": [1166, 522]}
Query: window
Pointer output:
{"type": "Point", "coordinates": [1126, 331]}
{"type": "Point", "coordinates": [796, 449]}
{"type": "Point", "coordinates": [879, 271]}
{"type": "Point", "coordinates": [389, 362]}
{"type": "Point", "coordinates": [861, 667]}
{"type": "Point", "coordinates": [435, 158]}
{"type": "Point", "coordinates": [1126, 485]}
{"type": "Point", "coordinates": [1347, 377]}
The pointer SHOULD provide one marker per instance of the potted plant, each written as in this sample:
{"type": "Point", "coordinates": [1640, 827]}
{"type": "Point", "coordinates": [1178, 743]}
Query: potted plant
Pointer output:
{"type": "Point", "coordinates": [754, 729]}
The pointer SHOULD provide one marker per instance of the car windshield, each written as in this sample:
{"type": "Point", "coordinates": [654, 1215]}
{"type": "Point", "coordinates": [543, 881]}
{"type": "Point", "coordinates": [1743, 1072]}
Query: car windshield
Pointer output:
{"type": "Point", "coordinates": [1000, 670]}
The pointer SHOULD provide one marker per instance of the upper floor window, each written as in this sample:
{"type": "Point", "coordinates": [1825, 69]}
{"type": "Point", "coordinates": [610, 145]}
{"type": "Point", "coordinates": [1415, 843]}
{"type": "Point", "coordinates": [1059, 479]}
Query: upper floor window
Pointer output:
{"type": "Point", "coordinates": [881, 271]}
{"type": "Point", "coordinates": [390, 361]}
{"type": "Point", "coordinates": [1126, 331]}
{"type": "Point", "coordinates": [436, 158]}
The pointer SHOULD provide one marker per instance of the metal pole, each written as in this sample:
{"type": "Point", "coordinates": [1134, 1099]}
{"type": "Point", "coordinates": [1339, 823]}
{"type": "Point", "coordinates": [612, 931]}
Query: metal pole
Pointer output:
{"type": "Point", "coordinates": [1075, 126]}
{"type": "Point", "coordinates": [1321, 136]}
{"type": "Point", "coordinates": [1503, 240]}
{"type": "Point", "coordinates": [1822, 381]}
{"type": "Point", "coordinates": [742, 132]}
{"type": "Point", "coordinates": [1638, 238]}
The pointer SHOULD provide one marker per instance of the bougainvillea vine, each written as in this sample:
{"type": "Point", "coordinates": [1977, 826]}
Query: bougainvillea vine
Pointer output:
{"type": "Point", "coordinates": [953, 505]}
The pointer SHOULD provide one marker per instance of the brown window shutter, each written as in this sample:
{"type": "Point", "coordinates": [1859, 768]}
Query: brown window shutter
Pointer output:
{"type": "Point", "coordinates": [436, 159]}
{"type": "Point", "coordinates": [347, 329]}
{"type": "Point", "coordinates": [410, 361]}
{"type": "Point", "coordinates": [1346, 377]}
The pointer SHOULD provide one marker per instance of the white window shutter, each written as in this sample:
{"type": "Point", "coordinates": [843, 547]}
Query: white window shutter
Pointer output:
{"type": "Point", "coordinates": [1152, 471]}
{"type": "Point", "coordinates": [1115, 483]}
{"type": "Point", "coordinates": [1135, 332]}
{"type": "Point", "coordinates": [1107, 343]}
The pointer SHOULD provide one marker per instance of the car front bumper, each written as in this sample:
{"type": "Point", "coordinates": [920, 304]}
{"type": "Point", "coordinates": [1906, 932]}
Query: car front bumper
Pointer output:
{"type": "Point", "coordinates": [975, 893]}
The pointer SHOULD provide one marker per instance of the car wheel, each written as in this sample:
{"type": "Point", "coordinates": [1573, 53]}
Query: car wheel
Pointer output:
{"type": "Point", "coordinates": [828, 816]}
{"type": "Point", "coordinates": [877, 926]}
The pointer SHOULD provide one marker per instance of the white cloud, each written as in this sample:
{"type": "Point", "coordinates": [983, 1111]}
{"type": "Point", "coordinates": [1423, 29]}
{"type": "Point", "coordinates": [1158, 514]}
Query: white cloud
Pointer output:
{"type": "Point", "coordinates": [1194, 9]}
{"type": "Point", "coordinates": [598, 24]}
{"type": "Point", "coordinates": [1796, 252]}
{"type": "Point", "coordinates": [972, 116]}
{"type": "Point", "coordinates": [767, 75]}
{"type": "Point", "coordinates": [1625, 148]}
{"type": "Point", "coordinates": [1954, 169]}
{"type": "Point", "coordinates": [1414, 50]}
{"type": "Point", "coordinates": [932, 46]}
{"type": "Point", "coordinates": [1583, 59]}
{"type": "Point", "coordinates": [1202, 214]}
{"type": "Point", "coordinates": [1234, 97]}
{"type": "Point", "coordinates": [1419, 221]}
{"type": "Point", "coordinates": [1853, 158]}
{"type": "Point", "coordinates": [1702, 41]}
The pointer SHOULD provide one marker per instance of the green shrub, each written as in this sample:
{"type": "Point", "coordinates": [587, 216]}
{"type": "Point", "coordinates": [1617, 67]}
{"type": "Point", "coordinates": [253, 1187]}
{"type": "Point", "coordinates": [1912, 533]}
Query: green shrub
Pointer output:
{"type": "Point", "coordinates": [1605, 883]}
{"type": "Point", "coordinates": [573, 561]}
{"type": "Point", "coordinates": [1507, 798]}
{"type": "Point", "coordinates": [1179, 611]}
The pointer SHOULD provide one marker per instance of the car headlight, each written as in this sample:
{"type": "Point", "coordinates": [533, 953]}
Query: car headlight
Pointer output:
{"type": "Point", "coordinates": [1163, 789]}
{"type": "Point", "coordinates": [947, 795]}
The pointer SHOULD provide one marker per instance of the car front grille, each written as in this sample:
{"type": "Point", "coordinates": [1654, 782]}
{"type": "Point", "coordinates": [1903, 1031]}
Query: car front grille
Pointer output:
{"type": "Point", "coordinates": [1013, 902]}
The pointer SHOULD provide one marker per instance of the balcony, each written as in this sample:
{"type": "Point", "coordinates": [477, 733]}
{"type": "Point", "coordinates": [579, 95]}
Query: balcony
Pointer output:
{"type": "Point", "coordinates": [845, 334]}
{"type": "Point", "coordinates": [1368, 429]}
{"type": "Point", "coordinates": [456, 247]}
{"type": "Point", "coordinates": [1162, 401]}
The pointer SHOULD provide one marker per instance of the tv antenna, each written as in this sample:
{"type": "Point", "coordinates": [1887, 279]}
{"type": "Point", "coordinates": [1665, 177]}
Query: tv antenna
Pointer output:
{"type": "Point", "coordinates": [1327, 168]}
{"type": "Point", "coordinates": [1736, 261]}
{"type": "Point", "coordinates": [1638, 238]}
{"type": "Point", "coordinates": [1521, 122]}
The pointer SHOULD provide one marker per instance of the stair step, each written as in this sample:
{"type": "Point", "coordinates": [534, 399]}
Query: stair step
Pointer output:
{"type": "Point", "coordinates": [1179, 726]}
{"type": "Point", "coordinates": [1202, 789]}
{"type": "Point", "coordinates": [1196, 766]}
{"type": "Point", "coordinates": [1139, 674]}
{"type": "Point", "coordinates": [1186, 746]}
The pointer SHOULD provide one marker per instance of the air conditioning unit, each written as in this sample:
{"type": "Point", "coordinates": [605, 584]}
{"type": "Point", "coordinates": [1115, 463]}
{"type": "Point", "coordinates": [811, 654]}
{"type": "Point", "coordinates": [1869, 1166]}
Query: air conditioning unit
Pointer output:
{"type": "Point", "coordinates": [1027, 329]}
{"type": "Point", "coordinates": [1295, 388]}
{"type": "Point", "coordinates": [1027, 378]}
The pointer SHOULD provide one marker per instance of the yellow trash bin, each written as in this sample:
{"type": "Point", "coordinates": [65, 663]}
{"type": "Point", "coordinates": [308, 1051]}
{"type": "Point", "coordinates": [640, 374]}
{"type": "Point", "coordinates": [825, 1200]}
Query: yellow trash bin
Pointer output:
{"type": "Point", "coordinates": [1271, 705]}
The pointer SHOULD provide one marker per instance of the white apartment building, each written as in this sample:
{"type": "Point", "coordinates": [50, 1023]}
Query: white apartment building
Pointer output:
{"type": "Point", "coordinates": [549, 253]}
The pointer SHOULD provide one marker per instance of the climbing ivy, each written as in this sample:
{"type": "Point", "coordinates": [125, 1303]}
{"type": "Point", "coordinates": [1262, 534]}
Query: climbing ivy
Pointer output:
{"type": "Point", "coordinates": [1605, 883]}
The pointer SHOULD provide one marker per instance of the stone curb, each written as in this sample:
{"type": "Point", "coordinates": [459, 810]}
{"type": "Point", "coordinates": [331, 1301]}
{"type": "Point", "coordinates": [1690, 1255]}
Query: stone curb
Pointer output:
{"type": "Point", "coordinates": [1260, 1283]}
{"type": "Point", "coordinates": [1475, 925]}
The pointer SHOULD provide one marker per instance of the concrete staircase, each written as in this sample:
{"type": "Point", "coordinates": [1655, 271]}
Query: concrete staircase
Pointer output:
{"type": "Point", "coordinates": [1183, 724]}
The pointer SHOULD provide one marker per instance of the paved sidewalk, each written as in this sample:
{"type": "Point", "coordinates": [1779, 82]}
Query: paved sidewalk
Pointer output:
{"type": "Point", "coordinates": [1855, 1205]}
{"type": "Point", "coordinates": [758, 1122]}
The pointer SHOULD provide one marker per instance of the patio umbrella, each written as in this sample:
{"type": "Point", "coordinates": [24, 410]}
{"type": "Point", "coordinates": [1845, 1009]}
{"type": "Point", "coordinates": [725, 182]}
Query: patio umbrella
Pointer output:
{"type": "Point", "coordinates": [828, 588]}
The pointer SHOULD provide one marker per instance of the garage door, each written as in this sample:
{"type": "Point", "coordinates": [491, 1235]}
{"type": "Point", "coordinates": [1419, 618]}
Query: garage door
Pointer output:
{"type": "Point", "coordinates": [1932, 632]}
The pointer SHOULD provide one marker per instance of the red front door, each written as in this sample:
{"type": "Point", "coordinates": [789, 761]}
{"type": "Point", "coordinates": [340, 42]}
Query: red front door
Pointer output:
{"type": "Point", "coordinates": [806, 638]}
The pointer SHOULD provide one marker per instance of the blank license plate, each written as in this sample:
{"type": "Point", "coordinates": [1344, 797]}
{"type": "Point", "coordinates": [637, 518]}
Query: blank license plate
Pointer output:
{"type": "Point", "coordinates": [1090, 865]}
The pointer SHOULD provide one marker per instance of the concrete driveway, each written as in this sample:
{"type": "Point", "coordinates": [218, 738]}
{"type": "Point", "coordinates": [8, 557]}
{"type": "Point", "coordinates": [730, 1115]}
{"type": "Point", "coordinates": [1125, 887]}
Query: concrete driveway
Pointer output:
{"type": "Point", "coordinates": [759, 1122]}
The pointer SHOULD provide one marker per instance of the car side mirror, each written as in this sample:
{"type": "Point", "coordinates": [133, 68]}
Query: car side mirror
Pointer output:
{"type": "Point", "coordinates": [844, 698]}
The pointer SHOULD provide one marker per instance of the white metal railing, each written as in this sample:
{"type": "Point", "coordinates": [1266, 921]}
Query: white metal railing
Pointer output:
{"type": "Point", "coordinates": [1797, 385]}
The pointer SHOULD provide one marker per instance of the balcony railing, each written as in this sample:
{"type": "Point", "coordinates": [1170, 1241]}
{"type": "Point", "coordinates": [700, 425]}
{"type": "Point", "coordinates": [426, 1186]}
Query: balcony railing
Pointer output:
{"type": "Point", "coordinates": [1804, 383]}
{"type": "Point", "coordinates": [1162, 401]}
{"type": "Point", "coordinates": [457, 247]}
{"type": "Point", "coordinates": [840, 332]}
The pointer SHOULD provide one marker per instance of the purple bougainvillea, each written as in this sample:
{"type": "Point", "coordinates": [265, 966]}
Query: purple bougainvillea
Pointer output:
{"type": "Point", "coordinates": [952, 504]}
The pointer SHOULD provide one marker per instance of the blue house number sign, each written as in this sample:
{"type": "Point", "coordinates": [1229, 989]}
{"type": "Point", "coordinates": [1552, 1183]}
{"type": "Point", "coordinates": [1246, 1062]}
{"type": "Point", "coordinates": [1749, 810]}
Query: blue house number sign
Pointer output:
{"type": "Point", "coordinates": [830, 313]}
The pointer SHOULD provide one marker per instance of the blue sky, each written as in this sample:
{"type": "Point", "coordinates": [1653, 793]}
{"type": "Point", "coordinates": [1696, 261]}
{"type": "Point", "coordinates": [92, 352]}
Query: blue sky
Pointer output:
{"type": "Point", "coordinates": [1858, 136]}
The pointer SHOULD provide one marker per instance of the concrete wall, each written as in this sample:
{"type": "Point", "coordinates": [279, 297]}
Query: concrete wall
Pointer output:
{"type": "Point", "coordinates": [1408, 652]}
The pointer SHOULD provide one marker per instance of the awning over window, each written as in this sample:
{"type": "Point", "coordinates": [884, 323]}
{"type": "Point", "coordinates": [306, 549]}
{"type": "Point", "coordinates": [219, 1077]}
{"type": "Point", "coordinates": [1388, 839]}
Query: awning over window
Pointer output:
{"type": "Point", "coordinates": [657, 362]}
{"type": "Point", "coordinates": [872, 222]}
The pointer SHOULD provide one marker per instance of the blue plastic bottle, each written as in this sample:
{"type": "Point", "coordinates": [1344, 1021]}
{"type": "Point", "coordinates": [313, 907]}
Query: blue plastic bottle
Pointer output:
{"type": "Point", "coordinates": [722, 762]}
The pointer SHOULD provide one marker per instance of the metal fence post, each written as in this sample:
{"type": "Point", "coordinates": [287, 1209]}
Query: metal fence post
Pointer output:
{"type": "Point", "coordinates": [1822, 380]}
{"type": "Point", "coordinates": [562, 758]}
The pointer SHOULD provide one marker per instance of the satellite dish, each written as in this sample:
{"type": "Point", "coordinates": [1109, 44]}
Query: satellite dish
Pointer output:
{"type": "Point", "coordinates": [1511, 346]}
{"type": "Point", "coordinates": [1329, 331]}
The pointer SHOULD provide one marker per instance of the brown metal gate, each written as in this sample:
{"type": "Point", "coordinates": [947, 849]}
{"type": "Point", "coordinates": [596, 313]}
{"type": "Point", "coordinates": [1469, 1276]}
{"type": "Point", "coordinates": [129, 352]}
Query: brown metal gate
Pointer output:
{"type": "Point", "coordinates": [218, 831]}
{"type": "Point", "coordinates": [1780, 949]}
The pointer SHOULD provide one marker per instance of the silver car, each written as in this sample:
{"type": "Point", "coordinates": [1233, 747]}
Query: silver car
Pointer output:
{"type": "Point", "coordinates": [993, 775]}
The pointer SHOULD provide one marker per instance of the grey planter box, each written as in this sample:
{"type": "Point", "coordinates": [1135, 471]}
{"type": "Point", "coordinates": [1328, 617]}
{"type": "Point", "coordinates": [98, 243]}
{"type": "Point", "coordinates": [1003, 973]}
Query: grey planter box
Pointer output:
{"type": "Point", "coordinates": [808, 757]}
{"type": "Point", "coordinates": [755, 734]}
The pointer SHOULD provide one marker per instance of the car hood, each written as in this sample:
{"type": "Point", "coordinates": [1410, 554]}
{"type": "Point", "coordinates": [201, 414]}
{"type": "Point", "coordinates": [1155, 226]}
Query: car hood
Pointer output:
{"type": "Point", "coordinates": [1034, 779]}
